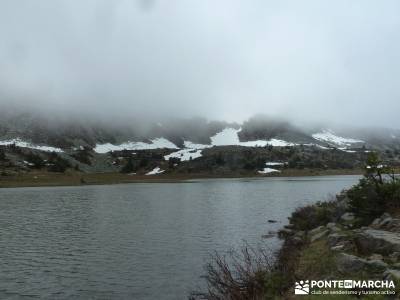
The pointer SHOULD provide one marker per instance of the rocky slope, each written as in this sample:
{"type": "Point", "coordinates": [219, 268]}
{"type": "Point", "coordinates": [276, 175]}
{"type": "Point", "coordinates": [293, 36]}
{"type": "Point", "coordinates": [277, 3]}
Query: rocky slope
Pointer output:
{"type": "Point", "coordinates": [341, 249]}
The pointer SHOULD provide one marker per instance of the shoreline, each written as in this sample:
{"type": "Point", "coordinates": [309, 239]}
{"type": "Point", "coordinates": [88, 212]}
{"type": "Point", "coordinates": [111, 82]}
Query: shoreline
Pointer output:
{"type": "Point", "coordinates": [70, 178]}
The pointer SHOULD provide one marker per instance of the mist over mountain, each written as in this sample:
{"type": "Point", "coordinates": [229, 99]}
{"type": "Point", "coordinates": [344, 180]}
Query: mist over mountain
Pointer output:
{"type": "Point", "coordinates": [65, 131]}
{"type": "Point", "coordinates": [222, 60]}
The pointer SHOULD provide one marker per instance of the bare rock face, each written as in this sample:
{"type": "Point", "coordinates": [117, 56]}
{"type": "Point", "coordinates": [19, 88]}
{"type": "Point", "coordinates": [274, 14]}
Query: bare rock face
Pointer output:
{"type": "Point", "coordinates": [377, 241]}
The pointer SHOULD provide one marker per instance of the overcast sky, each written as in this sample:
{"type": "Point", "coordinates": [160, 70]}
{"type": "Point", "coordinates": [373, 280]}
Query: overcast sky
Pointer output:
{"type": "Point", "coordinates": [308, 60]}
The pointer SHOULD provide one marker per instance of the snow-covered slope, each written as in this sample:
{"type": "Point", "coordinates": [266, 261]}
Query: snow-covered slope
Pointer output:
{"type": "Point", "coordinates": [158, 143]}
{"type": "Point", "coordinates": [329, 137]}
{"type": "Point", "coordinates": [20, 143]}
{"type": "Point", "coordinates": [229, 137]}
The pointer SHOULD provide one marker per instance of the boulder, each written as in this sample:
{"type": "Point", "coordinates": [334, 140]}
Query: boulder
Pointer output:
{"type": "Point", "coordinates": [338, 248]}
{"type": "Point", "coordinates": [394, 257]}
{"type": "Point", "coordinates": [377, 241]}
{"type": "Point", "coordinates": [300, 234]}
{"type": "Point", "coordinates": [392, 275]}
{"type": "Point", "coordinates": [316, 230]}
{"type": "Point", "coordinates": [332, 227]}
{"type": "Point", "coordinates": [335, 238]}
{"type": "Point", "coordinates": [377, 265]}
{"type": "Point", "coordinates": [390, 224]}
{"type": "Point", "coordinates": [385, 215]}
{"type": "Point", "coordinates": [375, 256]}
{"type": "Point", "coordinates": [347, 217]}
{"type": "Point", "coordinates": [297, 241]}
{"type": "Point", "coordinates": [376, 222]}
{"type": "Point", "coordinates": [352, 263]}
{"type": "Point", "coordinates": [386, 222]}
{"type": "Point", "coordinates": [318, 235]}
{"type": "Point", "coordinates": [285, 232]}
{"type": "Point", "coordinates": [347, 263]}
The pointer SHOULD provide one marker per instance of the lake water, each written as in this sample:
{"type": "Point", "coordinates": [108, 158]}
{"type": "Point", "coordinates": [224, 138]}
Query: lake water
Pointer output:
{"type": "Point", "coordinates": [138, 241]}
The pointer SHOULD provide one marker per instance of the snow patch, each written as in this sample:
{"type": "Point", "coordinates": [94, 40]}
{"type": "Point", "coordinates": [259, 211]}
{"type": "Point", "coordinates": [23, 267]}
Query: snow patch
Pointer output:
{"type": "Point", "coordinates": [268, 170]}
{"type": "Point", "coordinates": [229, 137]}
{"type": "Point", "coordinates": [155, 171]}
{"type": "Point", "coordinates": [158, 143]}
{"type": "Point", "coordinates": [347, 150]}
{"type": "Point", "coordinates": [191, 145]}
{"type": "Point", "coordinates": [272, 163]}
{"type": "Point", "coordinates": [184, 154]}
{"type": "Point", "coordinates": [20, 143]}
{"type": "Point", "coordinates": [328, 136]}
{"type": "Point", "coordinates": [191, 151]}
{"type": "Point", "coordinates": [28, 163]}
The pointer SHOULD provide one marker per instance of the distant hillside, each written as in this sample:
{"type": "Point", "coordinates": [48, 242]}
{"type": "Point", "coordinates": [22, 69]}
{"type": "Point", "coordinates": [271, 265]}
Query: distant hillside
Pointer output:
{"type": "Point", "coordinates": [260, 145]}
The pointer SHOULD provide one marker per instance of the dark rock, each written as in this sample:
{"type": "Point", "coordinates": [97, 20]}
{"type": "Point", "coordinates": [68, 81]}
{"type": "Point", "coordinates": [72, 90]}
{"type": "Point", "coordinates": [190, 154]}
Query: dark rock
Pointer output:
{"type": "Point", "coordinates": [285, 232]}
{"type": "Point", "coordinates": [268, 236]}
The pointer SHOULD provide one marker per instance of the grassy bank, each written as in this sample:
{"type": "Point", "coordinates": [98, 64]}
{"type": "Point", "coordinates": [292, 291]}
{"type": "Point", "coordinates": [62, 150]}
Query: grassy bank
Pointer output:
{"type": "Point", "coordinates": [73, 178]}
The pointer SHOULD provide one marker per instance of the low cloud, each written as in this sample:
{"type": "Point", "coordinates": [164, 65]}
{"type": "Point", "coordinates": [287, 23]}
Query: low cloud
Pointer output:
{"type": "Point", "coordinates": [309, 61]}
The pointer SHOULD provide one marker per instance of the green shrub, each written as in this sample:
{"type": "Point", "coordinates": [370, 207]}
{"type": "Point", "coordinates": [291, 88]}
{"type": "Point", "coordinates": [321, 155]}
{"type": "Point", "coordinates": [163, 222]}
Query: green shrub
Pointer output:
{"type": "Point", "coordinates": [377, 192]}
{"type": "Point", "coordinates": [83, 156]}
{"type": "Point", "coordinates": [365, 202]}
{"type": "Point", "coordinates": [2, 155]}
{"type": "Point", "coordinates": [57, 163]}
{"type": "Point", "coordinates": [312, 216]}
{"type": "Point", "coordinates": [36, 160]}
{"type": "Point", "coordinates": [129, 167]}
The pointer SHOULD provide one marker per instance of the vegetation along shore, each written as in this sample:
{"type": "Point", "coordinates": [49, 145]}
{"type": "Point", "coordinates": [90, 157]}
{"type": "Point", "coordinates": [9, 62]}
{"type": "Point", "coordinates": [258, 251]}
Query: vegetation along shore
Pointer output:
{"type": "Point", "coordinates": [354, 236]}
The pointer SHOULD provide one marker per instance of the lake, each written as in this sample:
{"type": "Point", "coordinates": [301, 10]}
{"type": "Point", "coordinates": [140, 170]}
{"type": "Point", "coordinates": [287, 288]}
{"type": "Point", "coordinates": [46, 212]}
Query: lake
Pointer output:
{"type": "Point", "coordinates": [142, 240]}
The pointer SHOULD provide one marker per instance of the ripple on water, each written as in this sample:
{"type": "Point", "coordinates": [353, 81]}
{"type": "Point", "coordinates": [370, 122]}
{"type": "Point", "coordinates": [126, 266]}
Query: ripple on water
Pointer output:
{"type": "Point", "coordinates": [137, 241]}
